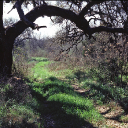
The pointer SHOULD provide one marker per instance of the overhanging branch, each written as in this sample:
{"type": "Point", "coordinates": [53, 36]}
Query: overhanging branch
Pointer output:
{"type": "Point", "coordinates": [108, 29]}
{"type": "Point", "coordinates": [48, 10]}
{"type": "Point", "coordinates": [88, 6]}
{"type": "Point", "coordinates": [23, 18]}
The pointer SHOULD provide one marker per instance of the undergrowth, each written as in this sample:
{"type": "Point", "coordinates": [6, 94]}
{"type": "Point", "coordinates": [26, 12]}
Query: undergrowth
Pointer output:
{"type": "Point", "coordinates": [47, 99]}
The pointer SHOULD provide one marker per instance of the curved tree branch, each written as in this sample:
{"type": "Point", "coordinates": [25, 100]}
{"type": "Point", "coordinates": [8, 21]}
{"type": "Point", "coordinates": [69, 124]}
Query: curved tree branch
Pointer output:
{"type": "Point", "coordinates": [21, 14]}
{"type": "Point", "coordinates": [42, 10]}
{"type": "Point", "coordinates": [80, 22]}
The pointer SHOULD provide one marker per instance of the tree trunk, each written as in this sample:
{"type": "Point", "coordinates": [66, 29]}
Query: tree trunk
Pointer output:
{"type": "Point", "coordinates": [6, 46]}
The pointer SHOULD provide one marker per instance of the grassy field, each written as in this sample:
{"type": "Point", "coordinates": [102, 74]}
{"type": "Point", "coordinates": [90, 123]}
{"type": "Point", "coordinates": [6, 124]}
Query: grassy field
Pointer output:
{"type": "Point", "coordinates": [54, 95]}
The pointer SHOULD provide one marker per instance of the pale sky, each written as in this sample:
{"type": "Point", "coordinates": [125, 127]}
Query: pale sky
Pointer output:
{"type": "Point", "coordinates": [49, 31]}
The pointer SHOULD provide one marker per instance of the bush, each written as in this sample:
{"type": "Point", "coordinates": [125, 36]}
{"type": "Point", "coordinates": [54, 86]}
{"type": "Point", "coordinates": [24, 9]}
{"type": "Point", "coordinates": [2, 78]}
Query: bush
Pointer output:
{"type": "Point", "coordinates": [20, 65]}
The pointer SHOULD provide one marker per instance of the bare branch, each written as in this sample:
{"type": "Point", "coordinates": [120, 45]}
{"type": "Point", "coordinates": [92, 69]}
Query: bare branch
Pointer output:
{"type": "Point", "coordinates": [11, 9]}
{"type": "Point", "coordinates": [48, 10]}
{"type": "Point", "coordinates": [34, 3]}
{"type": "Point", "coordinates": [23, 18]}
{"type": "Point", "coordinates": [88, 6]}
{"type": "Point", "coordinates": [108, 29]}
{"type": "Point", "coordinates": [21, 40]}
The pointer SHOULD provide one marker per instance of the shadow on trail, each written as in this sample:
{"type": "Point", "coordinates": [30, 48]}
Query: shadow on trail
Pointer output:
{"type": "Point", "coordinates": [38, 60]}
{"type": "Point", "coordinates": [60, 106]}
{"type": "Point", "coordinates": [107, 93]}
{"type": "Point", "coordinates": [104, 93]}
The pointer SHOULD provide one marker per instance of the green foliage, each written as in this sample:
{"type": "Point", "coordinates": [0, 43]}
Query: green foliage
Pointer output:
{"type": "Point", "coordinates": [124, 118]}
{"type": "Point", "coordinates": [56, 97]}
{"type": "Point", "coordinates": [76, 106]}
{"type": "Point", "coordinates": [15, 114]}
{"type": "Point", "coordinates": [108, 72]}
{"type": "Point", "coordinates": [44, 69]}
{"type": "Point", "coordinates": [101, 92]}
{"type": "Point", "coordinates": [66, 101]}
{"type": "Point", "coordinates": [108, 57]}
{"type": "Point", "coordinates": [6, 88]}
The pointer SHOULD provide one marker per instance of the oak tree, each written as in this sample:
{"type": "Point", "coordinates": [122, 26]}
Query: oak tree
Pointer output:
{"type": "Point", "coordinates": [112, 14]}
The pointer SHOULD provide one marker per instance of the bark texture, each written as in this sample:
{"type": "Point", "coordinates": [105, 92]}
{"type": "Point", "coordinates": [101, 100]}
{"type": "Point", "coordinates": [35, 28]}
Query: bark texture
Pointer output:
{"type": "Point", "coordinates": [8, 35]}
{"type": "Point", "coordinates": [6, 56]}
{"type": "Point", "coordinates": [6, 46]}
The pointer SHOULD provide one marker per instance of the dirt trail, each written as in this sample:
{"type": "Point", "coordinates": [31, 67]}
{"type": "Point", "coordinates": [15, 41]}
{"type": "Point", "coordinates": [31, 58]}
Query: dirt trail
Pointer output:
{"type": "Point", "coordinates": [110, 112]}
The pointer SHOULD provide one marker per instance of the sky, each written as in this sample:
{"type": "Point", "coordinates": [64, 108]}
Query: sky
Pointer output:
{"type": "Point", "coordinates": [51, 29]}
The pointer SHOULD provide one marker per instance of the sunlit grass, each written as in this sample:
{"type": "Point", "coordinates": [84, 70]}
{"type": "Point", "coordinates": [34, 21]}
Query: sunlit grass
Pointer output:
{"type": "Point", "coordinates": [99, 89]}
{"type": "Point", "coordinates": [76, 106]}
{"type": "Point", "coordinates": [66, 101]}
{"type": "Point", "coordinates": [42, 69]}
{"type": "Point", "coordinates": [64, 105]}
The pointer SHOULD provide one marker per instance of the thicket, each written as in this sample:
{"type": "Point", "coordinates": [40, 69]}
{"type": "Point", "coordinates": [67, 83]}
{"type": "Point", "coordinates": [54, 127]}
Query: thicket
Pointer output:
{"type": "Point", "coordinates": [105, 55]}
{"type": "Point", "coordinates": [108, 57]}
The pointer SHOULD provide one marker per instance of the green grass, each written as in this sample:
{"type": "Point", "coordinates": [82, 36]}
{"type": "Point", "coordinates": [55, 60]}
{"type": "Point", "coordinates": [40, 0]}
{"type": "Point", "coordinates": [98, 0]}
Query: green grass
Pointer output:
{"type": "Point", "coordinates": [52, 96]}
{"type": "Point", "coordinates": [105, 93]}
{"type": "Point", "coordinates": [77, 106]}
{"type": "Point", "coordinates": [41, 70]}
{"type": "Point", "coordinates": [98, 91]}
{"type": "Point", "coordinates": [15, 114]}
{"type": "Point", "coordinates": [91, 80]}
{"type": "Point", "coordinates": [64, 103]}
{"type": "Point", "coordinates": [17, 109]}
{"type": "Point", "coordinates": [69, 106]}
{"type": "Point", "coordinates": [124, 118]}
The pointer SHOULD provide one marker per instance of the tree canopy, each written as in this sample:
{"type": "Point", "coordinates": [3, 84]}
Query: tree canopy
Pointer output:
{"type": "Point", "coordinates": [112, 15]}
